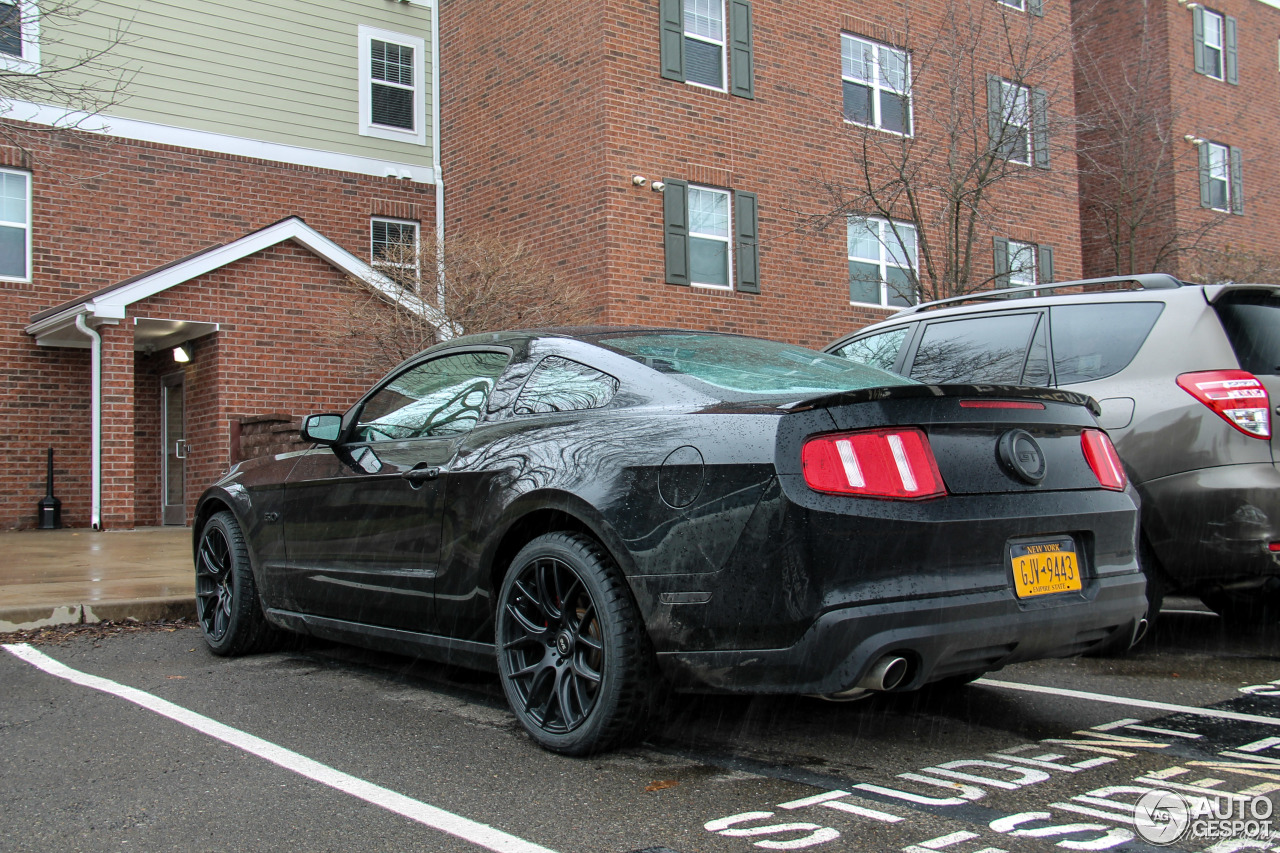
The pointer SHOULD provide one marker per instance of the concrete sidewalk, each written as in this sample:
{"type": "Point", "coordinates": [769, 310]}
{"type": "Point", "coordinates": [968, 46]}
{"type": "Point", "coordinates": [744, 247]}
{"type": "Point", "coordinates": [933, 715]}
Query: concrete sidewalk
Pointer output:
{"type": "Point", "coordinates": [54, 577]}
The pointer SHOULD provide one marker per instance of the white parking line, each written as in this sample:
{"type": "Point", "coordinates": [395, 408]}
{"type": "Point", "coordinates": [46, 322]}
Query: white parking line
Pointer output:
{"type": "Point", "coordinates": [1136, 703]}
{"type": "Point", "coordinates": [468, 830]}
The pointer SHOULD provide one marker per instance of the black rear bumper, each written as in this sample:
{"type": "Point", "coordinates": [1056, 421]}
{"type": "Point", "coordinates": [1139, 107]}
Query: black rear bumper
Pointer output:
{"type": "Point", "coordinates": [940, 637]}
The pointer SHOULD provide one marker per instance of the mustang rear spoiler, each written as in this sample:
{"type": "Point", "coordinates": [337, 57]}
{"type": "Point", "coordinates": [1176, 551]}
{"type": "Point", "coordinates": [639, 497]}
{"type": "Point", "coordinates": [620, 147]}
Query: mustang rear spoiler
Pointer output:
{"type": "Point", "coordinates": [900, 392]}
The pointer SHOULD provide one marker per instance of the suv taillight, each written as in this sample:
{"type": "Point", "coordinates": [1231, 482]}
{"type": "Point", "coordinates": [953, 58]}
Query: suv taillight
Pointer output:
{"type": "Point", "coordinates": [891, 464]}
{"type": "Point", "coordinates": [1101, 455]}
{"type": "Point", "coordinates": [1235, 395]}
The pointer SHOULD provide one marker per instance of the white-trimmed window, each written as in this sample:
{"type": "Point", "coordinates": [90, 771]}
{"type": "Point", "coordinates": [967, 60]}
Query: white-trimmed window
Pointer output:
{"type": "Point", "coordinates": [1020, 5]}
{"type": "Point", "coordinates": [393, 242]}
{"type": "Point", "coordinates": [1212, 44]}
{"type": "Point", "coordinates": [877, 84]}
{"type": "Point", "coordinates": [1215, 175]}
{"type": "Point", "coordinates": [1022, 264]}
{"type": "Point", "coordinates": [15, 225]}
{"type": "Point", "coordinates": [1015, 122]}
{"type": "Point", "coordinates": [392, 85]}
{"type": "Point", "coordinates": [882, 262]}
{"type": "Point", "coordinates": [704, 37]}
{"type": "Point", "coordinates": [19, 36]}
{"type": "Point", "coordinates": [710, 230]}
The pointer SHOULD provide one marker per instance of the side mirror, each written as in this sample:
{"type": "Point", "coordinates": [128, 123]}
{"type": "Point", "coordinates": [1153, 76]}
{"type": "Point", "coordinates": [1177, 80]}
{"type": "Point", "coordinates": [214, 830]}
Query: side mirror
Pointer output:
{"type": "Point", "coordinates": [322, 429]}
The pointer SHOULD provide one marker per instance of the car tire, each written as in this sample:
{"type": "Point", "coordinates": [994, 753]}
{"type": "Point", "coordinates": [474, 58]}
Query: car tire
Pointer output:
{"type": "Point", "coordinates": [573, 655]}
{"type": "Point", "coordinates": [227, 604]}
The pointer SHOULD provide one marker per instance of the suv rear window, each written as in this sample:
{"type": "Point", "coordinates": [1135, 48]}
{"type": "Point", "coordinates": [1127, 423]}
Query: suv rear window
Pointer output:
{"type": "Point", "coordinates": [1251, 319]}
{"type": "Point", "coordinates": [1095, 341]}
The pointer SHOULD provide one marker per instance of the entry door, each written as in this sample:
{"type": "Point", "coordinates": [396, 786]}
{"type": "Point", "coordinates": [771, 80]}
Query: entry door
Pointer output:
{"type": "Point", "coordinates": [173, 432]}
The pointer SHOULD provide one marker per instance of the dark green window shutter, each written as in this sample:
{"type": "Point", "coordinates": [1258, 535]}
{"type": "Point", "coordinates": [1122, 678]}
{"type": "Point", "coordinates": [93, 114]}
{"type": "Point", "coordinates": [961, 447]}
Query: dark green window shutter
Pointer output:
{"type": "Point", "coordinates": [995, 111]}
{"type": "Point", "coordinates": [1002, 262]}
{"type": "Point", "coordinates": [1230, 61]}
{"type": "Point", "coordinates": [747, 227]}
{"type": "Point", "coordinates": [1044, 264]}
{"type": "Point", "coordinates": [1237, 181]}
{"type": "Point", "coordinates": [1206, 200]}
{"type": "Point", "coordinates": [741, 63]}
{"type": "Point", "coordinates": [1197, 36]}
{"type": "Point", "coordinates": [675, 230]}
{"type": "Point", "coordinates": [1040, 128]}
{"type": "Point", "coordinates": [672, 39]}
{"type": "Point", "coordinates": [1036, 7]}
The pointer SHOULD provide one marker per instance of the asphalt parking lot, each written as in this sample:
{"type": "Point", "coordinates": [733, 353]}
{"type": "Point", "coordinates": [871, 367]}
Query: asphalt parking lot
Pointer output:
{"type": "Point", "coordinates": [145, 741]}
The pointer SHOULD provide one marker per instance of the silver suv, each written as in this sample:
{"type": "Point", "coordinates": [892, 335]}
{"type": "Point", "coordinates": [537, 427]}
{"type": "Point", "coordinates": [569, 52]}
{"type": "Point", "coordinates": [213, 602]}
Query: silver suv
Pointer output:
{"type": "Point", "coordinates": [1186, 376]}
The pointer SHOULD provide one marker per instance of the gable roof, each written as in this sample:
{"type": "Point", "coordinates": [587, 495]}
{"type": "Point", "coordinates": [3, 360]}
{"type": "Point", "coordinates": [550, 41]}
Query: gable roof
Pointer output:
{"type": "Point", "coordinates": [57, 326]}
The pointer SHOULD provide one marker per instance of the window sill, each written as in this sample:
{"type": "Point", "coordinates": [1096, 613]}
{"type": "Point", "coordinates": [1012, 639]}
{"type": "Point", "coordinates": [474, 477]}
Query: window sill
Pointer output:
{"type": "Point", "coordinates": [880, 129]}
{"type": "Point", "coordinates": [716, 288]}
{"type": "Point", "coordinates": [877, 305]}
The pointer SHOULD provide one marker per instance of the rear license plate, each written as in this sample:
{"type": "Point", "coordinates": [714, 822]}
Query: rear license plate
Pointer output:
{"type": "Point", "coordinates": [1043, 568]}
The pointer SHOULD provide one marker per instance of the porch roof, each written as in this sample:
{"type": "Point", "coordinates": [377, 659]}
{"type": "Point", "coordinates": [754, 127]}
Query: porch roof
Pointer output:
{"type": "Point", "coordinates": [57, 327]}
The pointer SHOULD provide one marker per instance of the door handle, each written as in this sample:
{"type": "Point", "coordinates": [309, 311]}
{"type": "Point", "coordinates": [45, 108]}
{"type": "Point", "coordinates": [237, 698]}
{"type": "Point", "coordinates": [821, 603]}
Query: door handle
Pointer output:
{"type": "Point", "coordinates": [418, 476]}
{"type": "Point", "coordinates": [180, 449]}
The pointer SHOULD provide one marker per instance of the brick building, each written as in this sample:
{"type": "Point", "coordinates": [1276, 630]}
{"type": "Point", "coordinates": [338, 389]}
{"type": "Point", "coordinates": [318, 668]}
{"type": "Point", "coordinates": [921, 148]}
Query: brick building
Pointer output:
{"type": "Point", "coordinates": [670, 157]}
{"type": "Point", "coordinates": [1181, 102]}
{"type": "Point", "coordinates": [562, 119]}
{"type": "Point", "coordinates": [217, 214]}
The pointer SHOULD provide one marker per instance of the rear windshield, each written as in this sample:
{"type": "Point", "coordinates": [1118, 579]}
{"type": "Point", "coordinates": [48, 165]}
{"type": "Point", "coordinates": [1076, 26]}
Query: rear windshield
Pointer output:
{"type": "Point", "coordinates": [1098, 340]}
{"type": "Point", "coordinates": [750, 365]}
{"type": "Point", "coordinates": [1251, 319]}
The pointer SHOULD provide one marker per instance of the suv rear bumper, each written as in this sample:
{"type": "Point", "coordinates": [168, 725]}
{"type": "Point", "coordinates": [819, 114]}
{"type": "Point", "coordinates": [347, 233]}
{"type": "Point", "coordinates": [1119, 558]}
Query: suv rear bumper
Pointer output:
{"type": "Point", "coordinates": [1214, 524]}
{"type": "Point", "coordinates": [940, 637]}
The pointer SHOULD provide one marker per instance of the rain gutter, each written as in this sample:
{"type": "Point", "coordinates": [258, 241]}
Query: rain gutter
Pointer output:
{"type": "Point", "coordinates": [436, 160]}
{"type": "Point", "coordinates": [95, 370]}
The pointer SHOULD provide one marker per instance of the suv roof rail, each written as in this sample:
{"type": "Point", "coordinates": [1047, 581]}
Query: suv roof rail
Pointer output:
{"type": "Point", "coordinates": [1149, 281]}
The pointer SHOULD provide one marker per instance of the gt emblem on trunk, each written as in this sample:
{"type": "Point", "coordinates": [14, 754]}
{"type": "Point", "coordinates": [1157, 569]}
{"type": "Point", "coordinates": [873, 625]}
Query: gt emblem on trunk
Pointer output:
{"type": "Point", "coordinates": [1022, 456]}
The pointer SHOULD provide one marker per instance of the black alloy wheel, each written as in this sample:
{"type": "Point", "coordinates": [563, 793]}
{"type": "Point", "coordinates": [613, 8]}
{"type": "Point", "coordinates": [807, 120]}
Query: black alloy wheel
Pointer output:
{"type": "Point", "coordinates": [226, 596]}
{"type": "Point", "coordinates": [572, 653]}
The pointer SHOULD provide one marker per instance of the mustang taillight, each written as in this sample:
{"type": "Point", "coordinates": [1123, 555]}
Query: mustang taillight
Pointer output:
{"type": "Point", "coordinates": [891, 464]}
{"type": "Point", "coordinates": [1101, 455]}
{"type": "Point", "coordinates": [1235, 395]}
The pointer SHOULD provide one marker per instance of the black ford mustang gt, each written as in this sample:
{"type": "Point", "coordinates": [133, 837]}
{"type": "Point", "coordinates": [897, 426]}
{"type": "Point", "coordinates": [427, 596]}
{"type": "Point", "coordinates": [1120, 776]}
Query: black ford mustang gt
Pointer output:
{"type": "Point", "coordinates": [588, 510]}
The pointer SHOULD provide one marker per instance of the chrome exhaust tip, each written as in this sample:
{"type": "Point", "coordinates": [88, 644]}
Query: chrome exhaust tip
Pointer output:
{"type": "Point", "coordinates": [888, 673]}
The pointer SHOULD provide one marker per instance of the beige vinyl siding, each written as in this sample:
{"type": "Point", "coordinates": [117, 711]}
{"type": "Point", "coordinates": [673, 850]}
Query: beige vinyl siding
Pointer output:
{"type": "Point", "coordinates": [282, 72]}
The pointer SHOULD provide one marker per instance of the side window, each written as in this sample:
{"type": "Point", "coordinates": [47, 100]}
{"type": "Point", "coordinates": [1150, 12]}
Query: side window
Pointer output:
{"type": "Point", "coordinates": [1096, 341]}
{"type": "Point", "coordinates": [701, 39]}
{"type": "Point", "coordinates": [15, 226]}
{"type": "Point", "coordinates": [392, 86]}
{"type": "Point", "coordinates": [876, 350]}
{"type": "Point", "coordinates": [1214, 43]}
{"type": "Point", "coordinates": [981, 349]}
{"type": "Point", "coordinates": [443, 397]}
{"type": "Point", "coordinates": [561, 385]}
{"type": "Point", "coordinates": [19, 36]}
{"type": "Point", "coordinates": [711, 237]}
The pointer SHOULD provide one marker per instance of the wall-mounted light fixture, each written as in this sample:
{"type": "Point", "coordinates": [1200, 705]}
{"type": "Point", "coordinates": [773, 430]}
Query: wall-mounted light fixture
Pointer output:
{"type": "Point", "coordinates": [1194, 140]}
{"type": "Point", "coordinates": [182, 354]}
{"type": "Point", "coordinates": [658, 186]}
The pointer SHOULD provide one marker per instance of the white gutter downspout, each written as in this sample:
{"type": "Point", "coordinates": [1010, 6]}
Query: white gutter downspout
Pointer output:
{"type": "Point", "coordinates": [436, 159]}
{"type": "Point", "coordinates": [95, 369]}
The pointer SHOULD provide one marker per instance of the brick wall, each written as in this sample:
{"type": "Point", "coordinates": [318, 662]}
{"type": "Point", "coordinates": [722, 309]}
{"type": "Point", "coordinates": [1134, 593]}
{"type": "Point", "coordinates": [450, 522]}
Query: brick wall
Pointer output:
{"type": "Point", "coordinates": [106, 209]}
{"type": "Point", "coordinates": [1158, 61]}
{"type": "Point", "coordinates": [551, 108]}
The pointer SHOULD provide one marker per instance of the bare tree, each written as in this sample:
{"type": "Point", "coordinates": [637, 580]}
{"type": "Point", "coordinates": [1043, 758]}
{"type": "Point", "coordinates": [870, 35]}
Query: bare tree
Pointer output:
{"type": "Point", "coordinates": [985, 83]}
{"type": "Point", "coordinates": [478, 284]}
{"type": "Point", "coordinates": [1225, 264]}
{"type": "Point", "coordinates": [75, 70]}
{"type": "Point", "coordinates": [1137, 169]}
